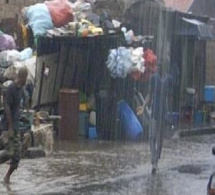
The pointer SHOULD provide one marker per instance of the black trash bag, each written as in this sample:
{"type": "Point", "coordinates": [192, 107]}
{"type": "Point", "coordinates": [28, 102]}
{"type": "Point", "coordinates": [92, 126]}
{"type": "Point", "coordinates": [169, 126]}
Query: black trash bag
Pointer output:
{"type": "Point", "coordinates": [106, 21]}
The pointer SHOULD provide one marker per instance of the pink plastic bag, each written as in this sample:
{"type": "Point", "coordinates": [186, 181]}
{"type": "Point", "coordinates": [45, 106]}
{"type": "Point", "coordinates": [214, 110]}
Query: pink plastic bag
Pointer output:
{"type": "Point", "coordinates": [60, 11]}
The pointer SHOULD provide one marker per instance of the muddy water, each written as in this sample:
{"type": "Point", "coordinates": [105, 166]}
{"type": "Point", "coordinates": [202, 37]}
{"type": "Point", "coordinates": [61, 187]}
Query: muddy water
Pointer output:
{"type": "Point", "coordinates": [120, 168]}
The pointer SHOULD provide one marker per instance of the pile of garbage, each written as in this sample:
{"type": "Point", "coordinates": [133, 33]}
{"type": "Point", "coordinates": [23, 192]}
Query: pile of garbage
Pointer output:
{"type": "Point", "coordinates": [11, 60]}
{"type": "Point", "coordinates": [136, 62]}
{"type": "Point", "coordinates": [62, 17]}
{"type": "Point", "coordinates": [66, 18]}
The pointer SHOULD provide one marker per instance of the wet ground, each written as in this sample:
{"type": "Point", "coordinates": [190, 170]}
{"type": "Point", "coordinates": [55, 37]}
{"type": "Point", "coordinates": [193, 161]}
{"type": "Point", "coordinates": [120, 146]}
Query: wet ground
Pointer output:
{"type": "Point", "coordinates": [120, 168]}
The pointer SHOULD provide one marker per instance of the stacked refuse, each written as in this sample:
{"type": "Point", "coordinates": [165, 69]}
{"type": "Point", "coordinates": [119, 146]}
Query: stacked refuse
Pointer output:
{"type": "Point", "coordinates": [137, 62]}
{"type": "Point", "coordinates": [122, 61]}
{"type": "Point", "coordinates": [11, 60]}
{"type": "Point", "coordinates": [62, 17]}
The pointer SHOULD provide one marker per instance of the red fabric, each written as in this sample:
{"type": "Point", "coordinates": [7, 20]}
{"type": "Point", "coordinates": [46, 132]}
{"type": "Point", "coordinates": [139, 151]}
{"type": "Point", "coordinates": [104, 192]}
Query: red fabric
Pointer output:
{"type": "Point", "coordinates": [150, 59]}
{"type": "Point", "coordinates": [150, 64]}
{"type": "Point", "coordinates": [60, 11]}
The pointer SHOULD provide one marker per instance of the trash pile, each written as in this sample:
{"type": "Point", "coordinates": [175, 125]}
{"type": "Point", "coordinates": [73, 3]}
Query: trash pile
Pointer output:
{"type": "Point", "coordinates": [136, 62]}
{"type": "Point", "coordinates": [122, 61]}
{"type": "Point", "coordinates": [64, 18]}
{"type": "Point", "coordinates": [11, 60]}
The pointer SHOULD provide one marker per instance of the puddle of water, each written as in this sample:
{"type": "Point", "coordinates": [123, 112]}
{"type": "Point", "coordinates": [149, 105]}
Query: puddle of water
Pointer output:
{"type": "Point", "coordinates": [114, 168]}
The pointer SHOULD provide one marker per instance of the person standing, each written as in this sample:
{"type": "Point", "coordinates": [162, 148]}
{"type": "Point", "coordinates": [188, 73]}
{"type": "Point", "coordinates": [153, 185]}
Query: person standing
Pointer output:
{"type": "Point", "coordinates": [10, 122]}
{"type": "Point", "coordinates": [158, 99]}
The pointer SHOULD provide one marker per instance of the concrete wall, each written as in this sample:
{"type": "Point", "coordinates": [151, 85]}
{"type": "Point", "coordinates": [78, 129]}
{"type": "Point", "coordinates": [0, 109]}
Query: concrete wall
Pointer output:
{"type": "Point", "coordinates": [12, 8]}
{"type": "Point", "coordinates": [206, 8]}
{"type": "Point", "coordinates": [210, 64]}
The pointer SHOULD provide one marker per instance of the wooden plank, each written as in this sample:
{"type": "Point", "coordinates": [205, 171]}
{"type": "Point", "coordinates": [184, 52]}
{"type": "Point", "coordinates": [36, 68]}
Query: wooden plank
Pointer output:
{"type": "Point", "coordinates": [37, 81]}
{"type": "Point", "coordinates": [50, 61]}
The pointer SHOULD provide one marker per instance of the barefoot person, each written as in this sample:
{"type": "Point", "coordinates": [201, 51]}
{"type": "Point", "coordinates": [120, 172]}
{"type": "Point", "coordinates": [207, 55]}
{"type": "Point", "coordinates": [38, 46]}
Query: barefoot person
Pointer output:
{"type": "Point", "coordinates": [10, 122]}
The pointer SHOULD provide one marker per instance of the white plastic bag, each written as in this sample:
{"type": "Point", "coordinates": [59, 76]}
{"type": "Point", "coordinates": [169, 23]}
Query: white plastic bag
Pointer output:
{"type": "Point", "coordinates": [8, 57]}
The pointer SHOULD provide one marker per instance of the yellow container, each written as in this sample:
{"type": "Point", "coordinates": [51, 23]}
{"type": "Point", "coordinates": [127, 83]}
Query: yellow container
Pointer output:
{"type": "Point", "coordinates": [83, 107]}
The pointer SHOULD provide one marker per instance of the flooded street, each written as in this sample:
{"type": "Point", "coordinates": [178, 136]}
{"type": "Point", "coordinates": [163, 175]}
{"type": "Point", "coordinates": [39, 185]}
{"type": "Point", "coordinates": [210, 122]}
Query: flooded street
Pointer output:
{"type": "Point", "coordinates": [118, 168]}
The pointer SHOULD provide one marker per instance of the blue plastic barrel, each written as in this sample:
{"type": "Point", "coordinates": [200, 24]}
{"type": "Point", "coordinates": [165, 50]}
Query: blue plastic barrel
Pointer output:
{"type": "Point", "coordinates": [209, 93]}
{"type": "Point", "coordinates": [129, 121]}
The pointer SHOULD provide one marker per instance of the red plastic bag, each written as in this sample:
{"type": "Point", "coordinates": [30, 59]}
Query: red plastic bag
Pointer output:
{"type": "Point", "coordinates": [150, 59]}
{"type": "Point", "coordinates": [60, 11]}
{"type": "Point", "coordinates": [150, 64]}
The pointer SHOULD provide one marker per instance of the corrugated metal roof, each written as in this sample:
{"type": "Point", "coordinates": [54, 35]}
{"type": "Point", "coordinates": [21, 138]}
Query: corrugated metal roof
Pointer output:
{"type": "Point", "coordinates": [196, 28]}
{"type": "Point", "coordinates": [179, 5]}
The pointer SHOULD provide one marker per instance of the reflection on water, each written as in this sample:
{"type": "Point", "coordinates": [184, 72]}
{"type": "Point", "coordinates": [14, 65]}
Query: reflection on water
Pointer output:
{"type": "Point", "coordinates": [155, 186]}
{"type": "Point", "coordinates": [99, 167]}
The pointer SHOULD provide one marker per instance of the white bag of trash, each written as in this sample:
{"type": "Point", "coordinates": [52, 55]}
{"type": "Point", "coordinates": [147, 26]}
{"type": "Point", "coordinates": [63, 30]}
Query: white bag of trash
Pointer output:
{"type": "Point", "coordinates": [8, 57]}
{"type": "Point", "coordinates": [7, 83]}
{"type": "Point", "coordinates": [30, 64]}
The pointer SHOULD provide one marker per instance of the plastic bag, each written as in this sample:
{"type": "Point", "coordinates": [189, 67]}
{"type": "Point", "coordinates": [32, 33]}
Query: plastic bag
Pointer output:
{"type": "Point", "coordinates": [7, 42]}
{"type": "Point", "coordinates": [60, 11]}
{"type": "Point", "coordinates": [150, 59]}
{"type": "Point", "coordinates": [81, 9]}
{"type": "Point", "coordinates": [119, 62]}
{"type": "Point", "coordinates": [39, 19]}
{"type": "Point", "coordinates": [7, 58]}
{"type": "Point", "coordinates": [3, 59]}
{"type": "Point", "coordinates": [26, 54]}
{"type": "Point", "coordinates": [150, 64]}
{"type": "Point", "coordinates": [137, 60]}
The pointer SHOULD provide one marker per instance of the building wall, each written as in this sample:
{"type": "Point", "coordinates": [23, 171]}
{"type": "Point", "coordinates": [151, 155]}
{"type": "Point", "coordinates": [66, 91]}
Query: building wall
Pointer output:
{"type": "Point", "coordinates": [206, 8]}
{"type": "Point", "coordinates": [12, 8]}
{"type": "Point", "coordinates": [210, 65]}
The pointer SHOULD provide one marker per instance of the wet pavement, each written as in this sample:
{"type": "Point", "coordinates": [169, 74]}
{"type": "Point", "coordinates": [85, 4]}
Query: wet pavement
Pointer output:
{"type": "Point", "coordinates": [118, 168]}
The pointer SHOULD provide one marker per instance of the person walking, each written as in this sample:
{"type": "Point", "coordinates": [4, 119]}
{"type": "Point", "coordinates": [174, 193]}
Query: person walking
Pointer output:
{"type": "Point", "coordinates": [10, 123]}
{"type": "Point", "coordinates": [158, 99]}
